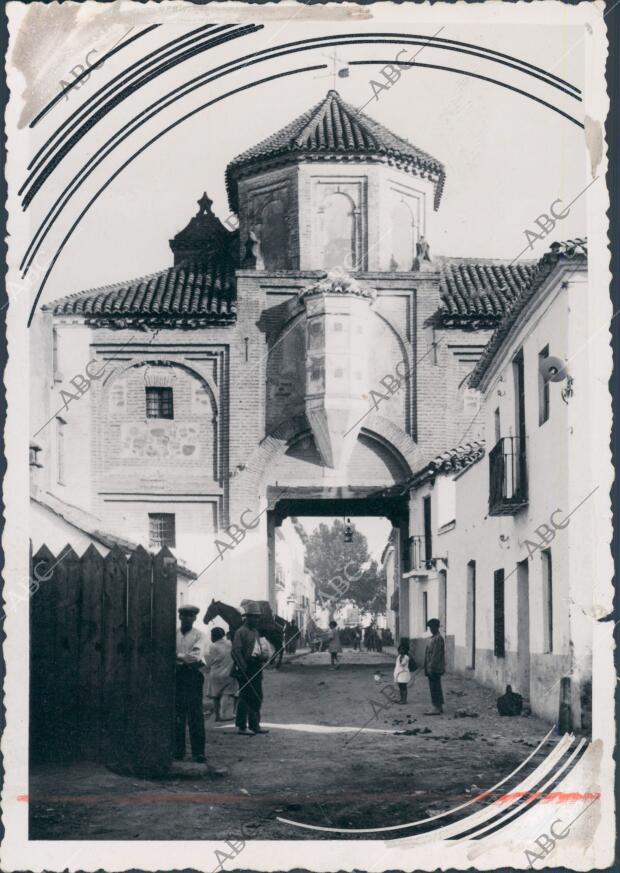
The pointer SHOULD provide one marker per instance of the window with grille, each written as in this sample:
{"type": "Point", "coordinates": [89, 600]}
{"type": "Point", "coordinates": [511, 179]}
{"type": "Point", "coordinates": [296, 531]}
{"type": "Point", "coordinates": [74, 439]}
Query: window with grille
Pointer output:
{"type": "Point", "coordinates": [159, 402]}
{"type": "Point", "coordinates": [500, 637]}
{"type": "Point", "coordinates": [162, 530]}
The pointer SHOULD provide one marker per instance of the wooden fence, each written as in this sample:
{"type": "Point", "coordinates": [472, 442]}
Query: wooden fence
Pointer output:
{"type": "Point", "coordinates": [102, 658]}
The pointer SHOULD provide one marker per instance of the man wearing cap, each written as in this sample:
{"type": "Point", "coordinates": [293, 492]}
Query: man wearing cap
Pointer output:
{"type": "Point", "coordinates": [189, 682]}
{"type": "Point", "coordinates": [249, 661]}
{"type": "Point", "coordinates": [435, 665]}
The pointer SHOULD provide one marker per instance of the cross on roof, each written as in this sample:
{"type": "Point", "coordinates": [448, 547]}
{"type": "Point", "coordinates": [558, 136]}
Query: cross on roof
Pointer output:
{"type": "Point", "coordinates": [336, 60]}
{"type": "Point", "coordinates": [205, 203]}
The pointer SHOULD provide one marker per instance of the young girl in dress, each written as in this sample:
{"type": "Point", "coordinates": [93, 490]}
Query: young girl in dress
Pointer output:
{"type": "Point", "coordinates": [402, 672]}
{"type": "Point", "coordinates": [334, 647]}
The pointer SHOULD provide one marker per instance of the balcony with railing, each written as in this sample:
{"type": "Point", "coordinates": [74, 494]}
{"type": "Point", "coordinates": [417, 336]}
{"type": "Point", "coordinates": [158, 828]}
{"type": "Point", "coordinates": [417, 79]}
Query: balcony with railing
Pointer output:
{"type": "Point", "coordinates": [507, 476]}
{"type": "Point", "coordinates": [418, 555]}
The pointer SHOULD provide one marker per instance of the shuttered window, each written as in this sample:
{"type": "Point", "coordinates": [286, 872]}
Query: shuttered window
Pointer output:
{"type": "Point", "coordinates": [500, 636]}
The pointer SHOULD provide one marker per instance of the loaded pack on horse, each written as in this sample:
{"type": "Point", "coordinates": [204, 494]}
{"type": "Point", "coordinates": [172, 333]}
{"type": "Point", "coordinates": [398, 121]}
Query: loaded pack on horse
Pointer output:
{"type": "Point", "coordinates": [269, 626]}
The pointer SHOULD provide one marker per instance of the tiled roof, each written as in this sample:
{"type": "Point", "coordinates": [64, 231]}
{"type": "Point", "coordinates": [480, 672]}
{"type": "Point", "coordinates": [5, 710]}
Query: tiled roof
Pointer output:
{"type": "Point", "coordinates": [478, 293]}
{"type": "Point", "coordinates": [186, 296]}
{"type": "Point", "coordinates": [451, 461]}
{"type": "Point", "coordinates": [574, 251]}
{"type": "Point", "coordinates": [458, 459]}
{"type": "Point", "coordinates": [331, 129]}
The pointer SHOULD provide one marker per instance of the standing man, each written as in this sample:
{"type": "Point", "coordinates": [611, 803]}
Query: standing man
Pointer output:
{"type": "Point", "coordinates": [435, 665]}
{"type": "Point", "coordinates": [189, 682]}
{"type": "Point", "coordinates": [293, 637]}
{"type": "Point", "coordinates": [249, 662]}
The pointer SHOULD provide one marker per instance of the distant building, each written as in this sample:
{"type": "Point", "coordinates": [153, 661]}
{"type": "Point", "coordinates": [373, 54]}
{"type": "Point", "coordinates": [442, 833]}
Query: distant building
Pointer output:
{"type": "Point", "coordinates": [295, 592]}
{"type": "Point", "coordinates": [392, 580]}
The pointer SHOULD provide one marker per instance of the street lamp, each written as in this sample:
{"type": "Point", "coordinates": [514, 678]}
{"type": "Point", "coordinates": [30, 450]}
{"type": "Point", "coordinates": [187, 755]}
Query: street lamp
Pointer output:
{"type": "Point", "coordinates": [348, 531]}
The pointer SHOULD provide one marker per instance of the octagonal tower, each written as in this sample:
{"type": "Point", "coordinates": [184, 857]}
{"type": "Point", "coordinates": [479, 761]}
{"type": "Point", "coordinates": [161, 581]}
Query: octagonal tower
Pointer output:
{"type": "Point", "coordinates": [334, 189]}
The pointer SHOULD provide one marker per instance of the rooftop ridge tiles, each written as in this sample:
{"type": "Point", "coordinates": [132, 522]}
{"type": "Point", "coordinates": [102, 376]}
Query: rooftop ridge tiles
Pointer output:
{"type": "Point", "coordinates": [333, 126]}
{"type": "Point", "coordinates": [52, 304]}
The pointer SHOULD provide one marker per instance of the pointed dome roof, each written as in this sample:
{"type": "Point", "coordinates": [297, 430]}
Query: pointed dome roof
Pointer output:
{"type": "Point", "coordinates": [334, 129]}
{"type": "Point", "coordinates": [203, 237]}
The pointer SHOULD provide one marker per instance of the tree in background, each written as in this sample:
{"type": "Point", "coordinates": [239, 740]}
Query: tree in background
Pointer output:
{"type": "Point", "coordinates": [327, 558]}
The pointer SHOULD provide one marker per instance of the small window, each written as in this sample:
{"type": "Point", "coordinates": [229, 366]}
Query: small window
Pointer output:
{"type": "Point", "coordinates": [498, 425]}
{"type": "Point", "coordinates": [547, 593]}
{"type": "Point", "coordinates": [55, 369]}
{"type": "Point", "coordinates": [424, 608]}
{"type": "Point", "coordinates": [543, 389]}
{"type": "Point", "coordinates": [34, 455]}
{"type": "Point", "coordinates": [500, 637]}
{"type": "Point", "coordinates": [60, 451]}
{"type": "Point", "coordinates": [428, 530]}
{"type": "Point", "coordinates": [162, 530]}
{"type": "Point", "coordinates": [159, 403]}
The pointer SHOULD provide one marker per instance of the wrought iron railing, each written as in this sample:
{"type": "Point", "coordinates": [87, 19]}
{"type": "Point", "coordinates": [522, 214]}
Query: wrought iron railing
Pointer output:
{"type": "Point", "coordinates": [507, 476]}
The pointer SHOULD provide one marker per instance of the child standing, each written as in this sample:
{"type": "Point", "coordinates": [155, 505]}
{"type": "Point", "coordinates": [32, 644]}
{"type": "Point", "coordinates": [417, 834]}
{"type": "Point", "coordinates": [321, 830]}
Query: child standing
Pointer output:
{"type": "Point", "coordinates": [334, 646]}
{"type": "Point", "coordinates": [402, 673]}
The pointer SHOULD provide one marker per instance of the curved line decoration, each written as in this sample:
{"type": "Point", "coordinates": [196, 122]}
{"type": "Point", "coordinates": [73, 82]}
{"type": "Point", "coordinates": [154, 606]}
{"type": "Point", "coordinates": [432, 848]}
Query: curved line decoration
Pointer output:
{"type": "Point", "coordinates": [173, 45]}
{"type": "Point", "coordinates": [87, 72]}
{"type": "Point", "coordinates": [266, 54]}
{"type": "Point", "coordinates": [186, 88]}
{"type": "Point", "coordinates": [423, 821]}
{"type": "Point", "coordinates": [64, 150]}
{"type": "Point", "coordinates": [528, 803]}
{"type": "Point", "coordinates": [132, 157]}
{"type": "Point", "coordinates": [484, 79]}
{"type": "Point", "coordinates": [522, 804]}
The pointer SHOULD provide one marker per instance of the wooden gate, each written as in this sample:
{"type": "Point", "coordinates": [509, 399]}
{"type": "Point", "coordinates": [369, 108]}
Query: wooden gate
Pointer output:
{"type": "Point", "coordinates": [102, 658]}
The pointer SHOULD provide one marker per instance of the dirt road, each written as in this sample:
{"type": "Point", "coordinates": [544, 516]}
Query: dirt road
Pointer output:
{"type": "Point", "coordinates": [317, 765]}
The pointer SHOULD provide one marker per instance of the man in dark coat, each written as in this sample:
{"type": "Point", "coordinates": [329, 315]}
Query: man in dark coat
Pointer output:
{"type": "Point", "coordinates": [292, 637]}
{"type": "Point", "coordinates": [249, 663]}
{"type": "Point", "coordinates": [435, 665]}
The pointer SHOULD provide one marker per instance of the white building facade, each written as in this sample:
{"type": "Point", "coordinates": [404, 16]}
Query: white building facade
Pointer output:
{"type": "Point", "coordinates": [295, 590]}
{"type": "Point", "coordinates": [512, 567]}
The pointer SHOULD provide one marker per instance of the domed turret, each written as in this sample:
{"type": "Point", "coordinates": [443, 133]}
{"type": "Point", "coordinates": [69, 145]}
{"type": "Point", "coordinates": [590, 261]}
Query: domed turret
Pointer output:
{"type": "Point", "coordinates": [335, 188]}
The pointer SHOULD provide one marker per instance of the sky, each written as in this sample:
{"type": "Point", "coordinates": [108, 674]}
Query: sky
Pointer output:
{"type": "Point", "coordinates": [507, 157]}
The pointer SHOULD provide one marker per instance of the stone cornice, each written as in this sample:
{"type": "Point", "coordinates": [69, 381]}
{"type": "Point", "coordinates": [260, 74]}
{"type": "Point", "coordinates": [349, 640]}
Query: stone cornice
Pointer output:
{"type": "Point", "coordinates": [161, 322]}
{"type": "Point", "coordinates": [338, 281]}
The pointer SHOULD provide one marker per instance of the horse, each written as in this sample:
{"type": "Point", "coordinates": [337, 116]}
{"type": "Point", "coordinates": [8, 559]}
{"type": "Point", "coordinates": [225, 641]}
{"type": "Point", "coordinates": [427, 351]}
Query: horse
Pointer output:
{"type": "Point", "coordinates": [271, 629]}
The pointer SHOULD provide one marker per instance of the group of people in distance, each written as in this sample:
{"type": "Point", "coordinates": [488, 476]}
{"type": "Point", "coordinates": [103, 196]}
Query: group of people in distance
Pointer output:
{"type": "Point", "coordinates": [434, 662]}
{"type": "Point", "coordinates": [234, 667]}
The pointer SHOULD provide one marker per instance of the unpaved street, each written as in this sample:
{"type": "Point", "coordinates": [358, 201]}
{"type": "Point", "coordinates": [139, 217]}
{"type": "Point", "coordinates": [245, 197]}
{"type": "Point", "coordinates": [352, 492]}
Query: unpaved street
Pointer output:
{"type": "Point", "coordinates": [313, 766]}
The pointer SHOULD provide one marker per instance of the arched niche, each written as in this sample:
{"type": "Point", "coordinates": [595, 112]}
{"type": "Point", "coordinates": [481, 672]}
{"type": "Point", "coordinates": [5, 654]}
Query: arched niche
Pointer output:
{"type": "Point", "coordinates": [186, 442]}
{"type": "Point", "coordinates": [374, 461]}
{"type": "Point", "coordinates": [403, 237]}
{"type": "Point", "coordinates": [338, 231]}
{"type": "Point", "coordinates": [274, 236]}
{"type": "Point", "coordinates": [285, 373]}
